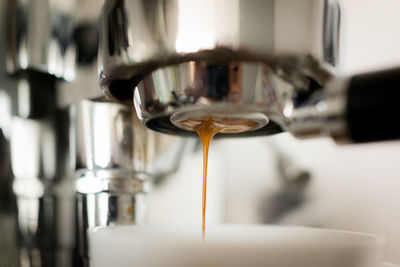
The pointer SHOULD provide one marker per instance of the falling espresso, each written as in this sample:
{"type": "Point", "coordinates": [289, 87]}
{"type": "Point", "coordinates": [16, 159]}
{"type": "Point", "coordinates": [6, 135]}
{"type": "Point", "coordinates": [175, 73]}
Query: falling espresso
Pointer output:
{"type": "Point", "coordinates": [207, 128]}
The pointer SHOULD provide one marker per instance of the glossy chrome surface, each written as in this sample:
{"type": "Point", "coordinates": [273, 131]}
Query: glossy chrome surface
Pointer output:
{"type": "Point", "coordinates": [44, 197]}
{"type": "Point", "coordinates": [39, 126]}
{"type": "Point", "coordinates": [109, 137]}
{"type": "Point", "coordinates": [107, 208]}
{"type": "Point", "coordinates": [114, 208]}
{"type": "Point", "coordinates": [248, 56]}
{"type": "Point", "coordinates": [37, 48]}
{"type": "Point", "coordinates": [103, 135]}
{"type": "Point", "coordinates": [138, 37]}
{"type": "Point", "coordinates": [247, 89]}
{"type": "Point", "coordinates": [40, 37]}
{"type": "Point", "coordinates": [115, 154]}
{"type": "Point", "coordinates": [115, 159]}
{"type": "Point", "coordinates": [45, 225]}
{"type": "Point", "coordinates": [8, 220]}
{"type": "Point", "coordinates": [324, 114]}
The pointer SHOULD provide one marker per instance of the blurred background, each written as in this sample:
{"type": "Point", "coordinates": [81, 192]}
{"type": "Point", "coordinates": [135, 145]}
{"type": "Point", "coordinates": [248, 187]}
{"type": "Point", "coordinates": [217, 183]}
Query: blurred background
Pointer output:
{"type": "Point", "coordinates": [271, 180]}
{"type": "Point", "coordinates": [282, 180]}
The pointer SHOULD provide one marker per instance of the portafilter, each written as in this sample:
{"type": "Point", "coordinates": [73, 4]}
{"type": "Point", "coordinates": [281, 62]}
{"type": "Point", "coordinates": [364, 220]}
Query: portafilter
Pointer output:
{"type": "Point", "coordinates": [267, 66]}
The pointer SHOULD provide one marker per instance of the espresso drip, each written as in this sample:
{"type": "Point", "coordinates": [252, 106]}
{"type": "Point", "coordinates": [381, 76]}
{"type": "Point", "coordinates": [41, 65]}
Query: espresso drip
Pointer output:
{"type": "Point", "coordinates": [207, 127]}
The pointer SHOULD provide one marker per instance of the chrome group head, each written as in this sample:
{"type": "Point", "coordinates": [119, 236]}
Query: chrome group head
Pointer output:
{"type": "Point", "coordinates": [176, 56]}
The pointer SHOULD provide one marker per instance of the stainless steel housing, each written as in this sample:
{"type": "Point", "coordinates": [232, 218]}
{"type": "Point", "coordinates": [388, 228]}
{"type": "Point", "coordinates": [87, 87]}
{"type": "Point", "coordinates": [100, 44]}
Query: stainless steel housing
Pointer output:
{"type": "Point", "coordinates": [260, 55]}
{"type": "Point", "coordinates": [109, 137]}
{"type": "Point", "coordinates": [112, 156]}
{"type": "Point", "coordinates": [115, 159]}
{"type": "Point", "coordinates": [39, 50]}
{"type": "Point", "coordinates": [40, 37]}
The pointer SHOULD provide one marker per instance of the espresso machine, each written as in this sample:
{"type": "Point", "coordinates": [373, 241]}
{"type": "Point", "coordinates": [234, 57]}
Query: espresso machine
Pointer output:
{"type": "Point", "coordinates": [69, 159]}
{"type": "Point", "coordinates": [241, 60]}
{"type": "Point", "coordinates": [277, 64]}
{"type": "Point", "coordinates": [81, 149]}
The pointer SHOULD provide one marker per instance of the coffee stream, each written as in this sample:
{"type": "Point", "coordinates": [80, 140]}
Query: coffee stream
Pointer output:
{"type": "Point", "coordinates": [206, 130]}
{"type": "Point", "coordinates": [207, 127]}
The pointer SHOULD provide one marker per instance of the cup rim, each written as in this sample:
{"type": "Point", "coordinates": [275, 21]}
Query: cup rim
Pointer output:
{"type": "Point", "coordinates": [377, 239]}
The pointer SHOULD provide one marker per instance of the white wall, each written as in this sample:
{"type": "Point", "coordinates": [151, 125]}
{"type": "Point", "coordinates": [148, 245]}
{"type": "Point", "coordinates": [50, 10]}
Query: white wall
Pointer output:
{"type": "Point", "coordinates": [372, 34]}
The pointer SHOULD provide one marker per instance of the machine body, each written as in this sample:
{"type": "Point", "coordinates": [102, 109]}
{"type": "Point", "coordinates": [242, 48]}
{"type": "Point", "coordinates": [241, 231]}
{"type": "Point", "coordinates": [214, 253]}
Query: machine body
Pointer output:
{"type": "Point", "coordinates": [277, 59]}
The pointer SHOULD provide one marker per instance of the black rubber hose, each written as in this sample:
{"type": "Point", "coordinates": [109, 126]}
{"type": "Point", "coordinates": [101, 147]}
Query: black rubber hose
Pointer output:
{"type": "Point", "coordinates": [373, 106]}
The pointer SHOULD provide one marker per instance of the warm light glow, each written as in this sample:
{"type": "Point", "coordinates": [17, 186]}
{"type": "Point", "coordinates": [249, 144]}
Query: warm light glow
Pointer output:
{"type": "Point", "coordinates": [200, 27]}
{"type": "Point", "coordinates": [193, 33]}
{"type": "Point", "coordinates": [5, 112]}
{"type": "Point", "coordinates": [25, 133]}
{"type": "Point", "coordinates": [101, 138]}
{"type": "Point", "coordinates": [28, 187]}
{"type": "Point", "coordinates": [89, 184]}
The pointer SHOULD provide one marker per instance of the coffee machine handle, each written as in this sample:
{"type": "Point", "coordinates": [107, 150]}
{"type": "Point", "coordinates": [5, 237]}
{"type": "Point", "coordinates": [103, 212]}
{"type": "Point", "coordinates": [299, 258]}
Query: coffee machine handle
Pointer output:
{"type": "Point", "coordinates": [373, 106]}
{"type": "Point", "coordinates": [358, 109]}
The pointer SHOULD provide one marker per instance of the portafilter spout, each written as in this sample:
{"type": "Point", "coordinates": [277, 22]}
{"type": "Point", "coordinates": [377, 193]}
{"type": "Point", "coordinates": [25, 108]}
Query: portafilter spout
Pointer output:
{"type": "Point", "coordinates": [267, 66]}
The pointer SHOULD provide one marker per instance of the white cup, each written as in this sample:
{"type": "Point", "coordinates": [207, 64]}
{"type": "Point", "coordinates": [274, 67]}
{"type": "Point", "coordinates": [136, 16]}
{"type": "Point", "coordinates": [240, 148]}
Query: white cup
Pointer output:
{"type": "Point", "coordinates": [233, 246]}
